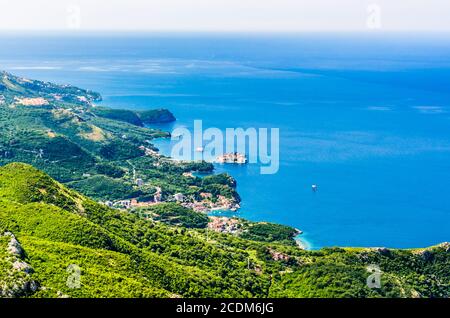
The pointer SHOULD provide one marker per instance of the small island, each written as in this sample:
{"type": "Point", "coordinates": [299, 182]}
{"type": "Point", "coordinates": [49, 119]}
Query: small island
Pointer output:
{"type": "Point", "coordinates": [233, 158]}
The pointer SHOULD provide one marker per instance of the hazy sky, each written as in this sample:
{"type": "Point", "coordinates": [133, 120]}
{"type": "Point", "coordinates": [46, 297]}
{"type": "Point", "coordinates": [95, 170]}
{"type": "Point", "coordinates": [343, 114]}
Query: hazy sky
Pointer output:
{"type": "Point", "coordinates": [225, 15]}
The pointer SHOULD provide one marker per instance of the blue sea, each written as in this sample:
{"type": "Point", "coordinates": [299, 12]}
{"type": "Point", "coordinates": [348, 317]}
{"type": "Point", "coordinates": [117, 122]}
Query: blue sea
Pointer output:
{"type": "Point", "coordinates": [366, 117]}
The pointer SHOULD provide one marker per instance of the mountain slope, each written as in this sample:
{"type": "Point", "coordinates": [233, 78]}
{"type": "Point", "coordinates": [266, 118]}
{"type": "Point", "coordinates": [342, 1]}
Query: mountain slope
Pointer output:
{"type": "Point", "coordinates": [95, 228]}
{"type": "Point", "coordinates": [120, 254]}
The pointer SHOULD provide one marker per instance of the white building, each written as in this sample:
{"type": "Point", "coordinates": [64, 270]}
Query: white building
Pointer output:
{"type": "Point", "coordinates": [179, 197]}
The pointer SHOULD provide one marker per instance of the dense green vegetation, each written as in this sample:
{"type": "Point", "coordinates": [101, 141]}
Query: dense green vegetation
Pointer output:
{"type": "Point", "coordinates": [270, 232]}
{"type": "Point", "coordinates": [156, 116]}
{"type": "Point", "coordinates": [134, 255]}
{"type": "Point", "coordinates": [99, 187]}
{"type": "Point", "coordinates": [175, 214]}
{"type": "Point", "coordinates": [138, 118]}
{"type": "Point", "coordinates": [127, 116]}
{"type": "Point", "coordinates": [110, 170]}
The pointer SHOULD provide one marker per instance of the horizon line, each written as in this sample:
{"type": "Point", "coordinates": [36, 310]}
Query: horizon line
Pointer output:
{"type": "Point", "coordinates": [170, 31]}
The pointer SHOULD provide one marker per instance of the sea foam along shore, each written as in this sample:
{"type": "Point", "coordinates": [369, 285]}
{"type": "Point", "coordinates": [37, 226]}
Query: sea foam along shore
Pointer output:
{"type": "Point", "coordinates": [301, 241]}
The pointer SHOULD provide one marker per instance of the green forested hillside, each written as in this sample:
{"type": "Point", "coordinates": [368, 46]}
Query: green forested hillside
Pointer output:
{"type": "Point", "coordinates": [120, 254]}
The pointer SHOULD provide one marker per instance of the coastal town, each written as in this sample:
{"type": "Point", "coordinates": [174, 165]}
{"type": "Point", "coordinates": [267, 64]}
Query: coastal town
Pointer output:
{"type": "Point", "coordinates": [205, 205]}
{"type": "Point", "coordinates": [225, 225]}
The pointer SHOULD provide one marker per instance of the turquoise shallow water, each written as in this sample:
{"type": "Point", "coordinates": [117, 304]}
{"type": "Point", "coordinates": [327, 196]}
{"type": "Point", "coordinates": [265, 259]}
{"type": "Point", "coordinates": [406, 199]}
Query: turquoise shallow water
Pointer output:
{"type": "Point", "coordinates": [365, 118]}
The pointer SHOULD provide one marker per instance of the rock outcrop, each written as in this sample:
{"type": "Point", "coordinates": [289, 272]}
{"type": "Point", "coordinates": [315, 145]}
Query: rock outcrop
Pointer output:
{"type": "Point", "coordinates": [15, 274]}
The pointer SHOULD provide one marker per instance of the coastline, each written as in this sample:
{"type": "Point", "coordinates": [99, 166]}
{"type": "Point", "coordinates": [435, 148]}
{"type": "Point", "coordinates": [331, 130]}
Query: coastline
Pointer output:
{"type": "Point", "coordinates": [300, 241]}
